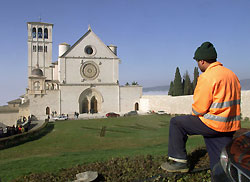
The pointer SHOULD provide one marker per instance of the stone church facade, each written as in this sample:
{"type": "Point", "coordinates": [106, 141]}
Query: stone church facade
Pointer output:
{"type": "Point", "coordinates": [84, 79]}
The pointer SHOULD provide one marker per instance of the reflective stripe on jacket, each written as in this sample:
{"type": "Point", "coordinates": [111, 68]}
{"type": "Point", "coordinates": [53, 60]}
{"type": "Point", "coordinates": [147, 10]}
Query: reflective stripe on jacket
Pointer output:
{"type": "Point", "coordinates": [217, 98]}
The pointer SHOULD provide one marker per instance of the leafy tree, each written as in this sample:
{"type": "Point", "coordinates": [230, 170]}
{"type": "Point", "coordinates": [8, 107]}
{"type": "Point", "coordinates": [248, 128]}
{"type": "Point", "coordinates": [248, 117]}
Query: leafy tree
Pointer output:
{"type": "Point", "coordinates": [134, 83]}
{"type": "Point", "coordinates": [188, 88]}
{"type": "Point", "coordinates": [171, 88]}
{"type": "Point", "coordinates": [196, 75]}
{"type": "Point", "coordinates": [178, 88]}
{"type": "Point", "coordinates": [127, 84]}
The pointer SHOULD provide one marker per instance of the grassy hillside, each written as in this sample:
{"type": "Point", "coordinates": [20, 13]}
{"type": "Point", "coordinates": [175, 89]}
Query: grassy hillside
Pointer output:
{"type": "Point", "coordinates": [74, 142]}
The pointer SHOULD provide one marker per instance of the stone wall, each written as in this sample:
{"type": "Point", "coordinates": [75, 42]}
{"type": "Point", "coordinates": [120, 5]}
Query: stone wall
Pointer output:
{"type": "Point", "coordinates": [24, 110]}
{"type": "Point", "coordinates": [183, 104]}
{"type": "Point", "coordinates": [10, 118]}
{"type": "Point", "coordinates": [38, 104]}
{"type": "Point", "coordinates": [245, 103]}
{"type": "Point", "coordinates": [129, 96]}
{"type": "Point", "coordinates": [169, 104]}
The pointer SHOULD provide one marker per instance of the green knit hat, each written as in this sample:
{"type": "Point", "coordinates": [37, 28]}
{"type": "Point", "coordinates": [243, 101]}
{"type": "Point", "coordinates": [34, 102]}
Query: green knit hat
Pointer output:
{"type": "Point", "coordinates": [205, 52]}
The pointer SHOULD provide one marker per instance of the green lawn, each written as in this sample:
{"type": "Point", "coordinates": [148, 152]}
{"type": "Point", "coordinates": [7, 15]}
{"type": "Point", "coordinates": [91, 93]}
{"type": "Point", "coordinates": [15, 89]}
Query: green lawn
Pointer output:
{"type": "Point", "coordinates": [73, 142]}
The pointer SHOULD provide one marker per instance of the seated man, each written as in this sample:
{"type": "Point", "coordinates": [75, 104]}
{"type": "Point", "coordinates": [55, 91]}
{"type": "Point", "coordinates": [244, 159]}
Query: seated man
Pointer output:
{"type": "Point", "coordinates": [216, 112]}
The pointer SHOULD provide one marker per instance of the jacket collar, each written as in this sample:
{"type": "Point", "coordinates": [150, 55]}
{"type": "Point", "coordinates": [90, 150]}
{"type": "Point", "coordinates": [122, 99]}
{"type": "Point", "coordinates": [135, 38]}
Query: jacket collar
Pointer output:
{"type": "Point", "coordinates": [217, 63]}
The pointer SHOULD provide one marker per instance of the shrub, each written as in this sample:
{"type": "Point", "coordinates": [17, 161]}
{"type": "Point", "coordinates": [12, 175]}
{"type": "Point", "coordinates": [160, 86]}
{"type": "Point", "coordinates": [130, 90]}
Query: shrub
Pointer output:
{"type": "Point", "coordinates": [127, 169]}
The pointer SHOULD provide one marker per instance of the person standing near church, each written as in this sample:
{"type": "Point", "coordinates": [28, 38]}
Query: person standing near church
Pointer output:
{"type": "Point", "coordinates": [215, 112]}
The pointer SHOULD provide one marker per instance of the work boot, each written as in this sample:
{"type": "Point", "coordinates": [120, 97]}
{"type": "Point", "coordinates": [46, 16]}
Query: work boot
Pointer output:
{"type": "Point", "coordinates": [173, 166]}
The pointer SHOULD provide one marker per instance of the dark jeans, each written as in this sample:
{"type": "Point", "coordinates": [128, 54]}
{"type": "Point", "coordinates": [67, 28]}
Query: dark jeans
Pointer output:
{"type": "Point", "coordinates": [182, 126]}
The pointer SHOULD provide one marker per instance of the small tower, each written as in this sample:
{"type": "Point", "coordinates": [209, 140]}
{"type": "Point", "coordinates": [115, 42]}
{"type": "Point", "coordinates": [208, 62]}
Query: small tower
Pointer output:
{"type": "Point", "coordinates": [36, 82]}
{"type": "Point", "coordinates": [40, 47]}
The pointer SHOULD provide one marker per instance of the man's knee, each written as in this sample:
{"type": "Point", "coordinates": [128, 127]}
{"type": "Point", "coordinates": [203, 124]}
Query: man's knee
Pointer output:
{"type": "Point", "coordinates": [178, 120]}
{"type": "Point", "coordinates": [172, 120]}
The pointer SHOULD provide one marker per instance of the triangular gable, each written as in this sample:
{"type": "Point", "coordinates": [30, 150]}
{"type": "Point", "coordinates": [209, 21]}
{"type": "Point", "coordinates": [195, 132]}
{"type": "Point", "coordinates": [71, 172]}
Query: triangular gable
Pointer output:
{"type": "Point", "coordinates": [77, 42]}
{"type": "Point", "coordinates": [99, 44]}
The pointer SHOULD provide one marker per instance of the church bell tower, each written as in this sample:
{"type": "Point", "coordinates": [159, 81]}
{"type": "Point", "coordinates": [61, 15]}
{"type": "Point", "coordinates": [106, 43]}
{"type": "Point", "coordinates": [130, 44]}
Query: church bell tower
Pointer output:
{"type": "Point", "coordinates": [40, 48]}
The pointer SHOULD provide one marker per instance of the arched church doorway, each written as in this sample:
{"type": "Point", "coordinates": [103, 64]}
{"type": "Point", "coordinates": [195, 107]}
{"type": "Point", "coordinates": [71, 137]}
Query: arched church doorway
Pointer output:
{"type": "Point", "coordinates": [47, 111]}
{"type": "Point", "coordinates": [85, 106]}
{"type": "Point", "coordinates": [93, 105]}
{"type": "Point", "coordinates": [136, 106]}
{"type": "Point", "coordinates": [90, 101]}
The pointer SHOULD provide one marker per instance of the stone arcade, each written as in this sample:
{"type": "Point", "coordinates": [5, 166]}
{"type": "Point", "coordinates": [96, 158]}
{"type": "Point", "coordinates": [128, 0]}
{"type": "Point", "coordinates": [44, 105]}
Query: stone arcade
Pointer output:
{"type": "Point", "coordinates": [84, 79]}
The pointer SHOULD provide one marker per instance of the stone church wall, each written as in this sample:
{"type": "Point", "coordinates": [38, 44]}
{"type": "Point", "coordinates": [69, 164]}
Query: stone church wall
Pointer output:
{"type": "Point", "coordinates": [106, 73]}
{"type": "Point", "coordinates": [24, 109]}
{"type": "Point", "coordinates": [183, 104]}
{"type": "Point", "coordinates": [39, 104]}
{"type": "Point", "coordinates": [70, 98]}
{"type": "Point", "coordinates": [110, 97]}
{"type": "Point", "coordinates": [129, 96]}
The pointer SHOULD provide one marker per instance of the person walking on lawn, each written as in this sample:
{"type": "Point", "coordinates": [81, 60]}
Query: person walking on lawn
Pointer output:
{"type": "Point", "coordinates": [215, 112]}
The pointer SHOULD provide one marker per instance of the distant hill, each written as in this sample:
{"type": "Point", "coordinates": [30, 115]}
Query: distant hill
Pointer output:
{"type": "Point", "coordinates": [245, 85]}
{"type": "Point", "coordinates": [156, 89]}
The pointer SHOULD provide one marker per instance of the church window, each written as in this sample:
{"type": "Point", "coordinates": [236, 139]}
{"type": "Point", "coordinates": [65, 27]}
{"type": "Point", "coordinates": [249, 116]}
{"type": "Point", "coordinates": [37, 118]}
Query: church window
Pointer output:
{"type": "Point", "coordinates": [46, 33]}
{"type": "Point", "coordinates": [40, 48]}
{"type": "Point", "coordinates": [34, 32]}
{"type": "Point", "coordinates": [47, 111]}
{"type": "Point", "coordinates": [40, 33]}
{"type": "Point", "coordinates": [89, 50]}
{"type": "Point", "coordinates": [89, 70]}
{"type": "Point", "coordinates": [37, 85]}
{"type": "Point", "coordinates": [34, 48]}
{"type": "Point", "coordinates": [136, 106]}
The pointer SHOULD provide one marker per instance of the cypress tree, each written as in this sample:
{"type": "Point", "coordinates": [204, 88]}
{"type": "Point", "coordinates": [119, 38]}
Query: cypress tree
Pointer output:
{"type": "Point", "coordinates": [188, 90]}
{"type": "Point", "coordinates": [196, 75]}
{"type": "Point", "coordinates": [183, 83]}
{"type": "Point", "coordinates": [171, 88]}
{"type": "Point", "coordinates": [178, 88]}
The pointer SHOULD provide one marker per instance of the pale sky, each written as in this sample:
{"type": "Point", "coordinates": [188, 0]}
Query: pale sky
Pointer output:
{"type": "Point", "coordinates": [153, 36]}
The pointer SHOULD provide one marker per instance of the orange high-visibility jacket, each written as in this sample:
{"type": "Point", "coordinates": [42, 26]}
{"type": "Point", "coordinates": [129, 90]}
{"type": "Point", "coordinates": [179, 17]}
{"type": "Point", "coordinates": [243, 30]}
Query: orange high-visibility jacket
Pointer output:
{"type": "Point", "coordinates": [217, 98]}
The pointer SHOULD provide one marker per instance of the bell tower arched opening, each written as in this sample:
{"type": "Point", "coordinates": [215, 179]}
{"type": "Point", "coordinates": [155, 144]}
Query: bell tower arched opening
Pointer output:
{"type": "Point", "coordinates": [40, 33]}
{"type": "Point", "coordinates": [34, 32]}
{"type": "Point", "coordinates": [45, 33]}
